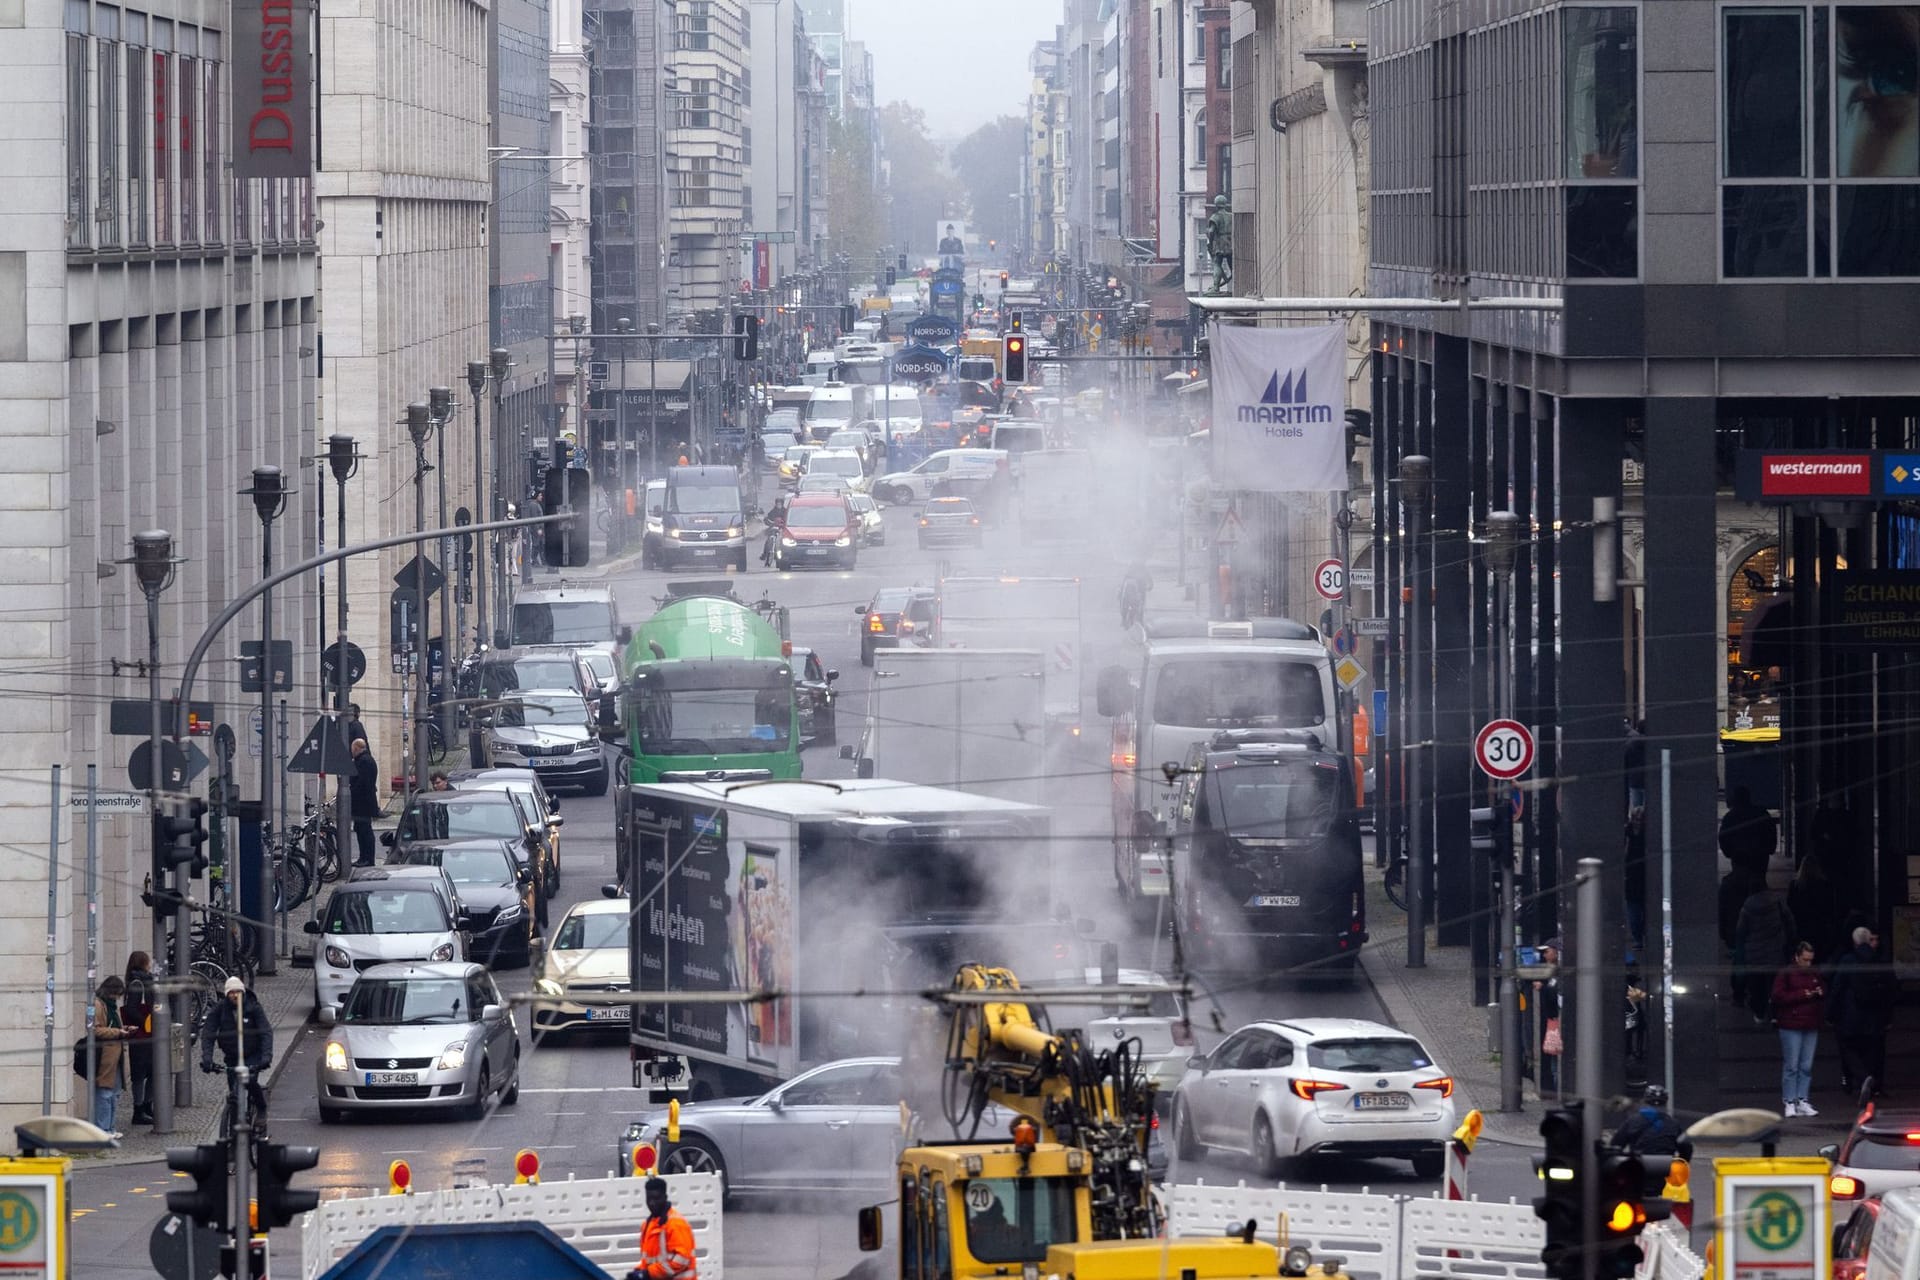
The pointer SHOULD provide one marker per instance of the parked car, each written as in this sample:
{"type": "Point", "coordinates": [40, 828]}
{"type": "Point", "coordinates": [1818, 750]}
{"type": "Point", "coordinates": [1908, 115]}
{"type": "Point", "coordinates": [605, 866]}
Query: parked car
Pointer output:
{"type": "Point", "coordinates": [1879, 1153]}
{"type": "Point", "coordinates": [535, 800]}
{"type": "Point", "coordinates": [894, 616]}
{"type": "Point", "coordinates": [481, 814]}
{"type": "Point", "coordinates": [949, 522]}
{"type": "Point", "coordinates": [418, 1037]}
{"type": "Point", "coordinates": [586, 952]}
{"type": "Point", "coordinates": [374, 920]}
{"type": "Point", "coordinates": [551, 732]}
{"type": "Point", "coordinates": [873, 528]}
{"type": "Point", "coordinates": [814, 695]}
{"type": "Point", "coordinates": [1287, 1091]}
{"type": "Point", "coordinates": [500, 898]}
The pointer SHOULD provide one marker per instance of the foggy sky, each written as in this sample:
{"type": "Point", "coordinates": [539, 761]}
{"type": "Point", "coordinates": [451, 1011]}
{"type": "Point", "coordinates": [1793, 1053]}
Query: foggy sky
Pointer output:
{"type": "Point", "coordinates": [963, 62]}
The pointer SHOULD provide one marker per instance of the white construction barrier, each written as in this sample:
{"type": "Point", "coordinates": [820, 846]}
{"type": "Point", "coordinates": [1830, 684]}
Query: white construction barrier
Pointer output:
{"type": "Point", "coordinates": [601, 1217]}
{"type": "Point", "coordinates": [1389, 1237]}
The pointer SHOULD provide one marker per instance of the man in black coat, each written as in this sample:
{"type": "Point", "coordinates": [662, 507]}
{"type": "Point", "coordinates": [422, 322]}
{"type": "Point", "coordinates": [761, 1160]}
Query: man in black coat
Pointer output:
{"type": "Point", "coordinates": [1860, 1002]}
{"type": "Point", "coordinates": [366, 800]}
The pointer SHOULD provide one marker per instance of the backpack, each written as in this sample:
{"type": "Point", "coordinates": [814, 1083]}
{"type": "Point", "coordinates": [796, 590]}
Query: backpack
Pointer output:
{"type": "Point", "coordinates": [80, 1057]}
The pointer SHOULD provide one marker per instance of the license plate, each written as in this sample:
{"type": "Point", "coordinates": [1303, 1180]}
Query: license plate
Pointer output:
{"type": "Point", "coordinates": [609, 1013]}
{"type": "Point", "coordinates": [544, 762]}
{"type": "Point", "coordinates": [392, 1077]}
{"type": "Point", "coordinates": [1382, 1102]}
{"type": "Point", "coordinates": [1274, 900]}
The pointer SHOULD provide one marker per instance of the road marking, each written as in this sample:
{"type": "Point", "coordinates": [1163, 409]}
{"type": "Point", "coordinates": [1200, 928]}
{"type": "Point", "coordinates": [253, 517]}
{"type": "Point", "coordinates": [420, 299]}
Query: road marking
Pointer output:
{"type": "Point", "coordinates": [621, 1088]}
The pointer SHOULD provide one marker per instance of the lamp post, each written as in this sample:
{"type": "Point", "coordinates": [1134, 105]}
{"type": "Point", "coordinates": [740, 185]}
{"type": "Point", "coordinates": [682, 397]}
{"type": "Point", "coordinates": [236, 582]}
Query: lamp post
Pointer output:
{"type": "Point", "coordinates": [477, 385]}
{"type": "Point", "coordinates": [623, 325]}
{"type": "Point", "coordinates": [1502, 541]}
{"type": "Point", "coordinates": [269, 493]}
{"type": "Point", "coordinates": [653, 399]}
{"type": "Point", "coordinates": [343, 460]}
{"type": "Point", "coordinates": [440, 407]}
{"type": "Point", "coordinates": [153, 564]}
{"type": "Point", "coordinates": [500, 365]}
{"type": "Point", "coordinates": [1416, 485]}
{"type": "Point", "coordinates": [419, 424]}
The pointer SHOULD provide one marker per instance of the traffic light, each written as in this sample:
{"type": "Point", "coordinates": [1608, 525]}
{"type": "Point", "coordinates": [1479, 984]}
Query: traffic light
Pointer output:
{"type": "Point", "coordinates": [567, 542]}
{"type": "Point", "coordinates": [1014, 321]}
{"type": "Point", "coordinates": [1563, 1207]}
{"type": "Point", "coordinates": [1015, 365]}
{"type": "Point", "coordinates": [746, 337]}
{"type": "Point", "coordinates": [1630, 1187]}
{"type": "Point", "coordinates": [256, 1254]}
{"type": "Point", "coordinates": [892, 277]}
{"type": "Point", "coordinates": [207, 1203]}
{"type": "Point", "coordinates": [849, 316]}
{"type": "Point", "coordinates": [1003, 281]}
{"type": "Point", "coordinates": [180, 837]}
{"type": "Point", "coordinates": [992, 245]}
{"type": "Point", "coordinates": [280, 1201]}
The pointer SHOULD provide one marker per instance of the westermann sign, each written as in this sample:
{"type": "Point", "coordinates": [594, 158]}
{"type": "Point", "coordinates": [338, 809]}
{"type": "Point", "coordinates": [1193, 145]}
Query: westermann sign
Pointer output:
{"type": "Point", "coordinates": [1279, 408]}
{"type": "Point", "coordinates": [272, 129]}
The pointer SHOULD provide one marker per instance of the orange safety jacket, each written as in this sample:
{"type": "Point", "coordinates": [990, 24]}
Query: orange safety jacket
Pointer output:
{"type": "Point", "coordinates": [666, 1249]}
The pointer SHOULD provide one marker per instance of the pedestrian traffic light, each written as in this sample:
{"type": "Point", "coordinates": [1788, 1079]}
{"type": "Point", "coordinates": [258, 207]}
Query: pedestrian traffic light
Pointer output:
{"type": "Point", "coordinates": [180, 837]}
{"type": "Point", "coordinates": [280, 1201]}
{"type": "Point", "coordinates": [207, 1203]}
{"type": "Point", "coordinates": [1563, 1207]}
{"type": "Point", "coordinates": [1014, 367]}
{"type": "Point", "coordinates": [746, 337]}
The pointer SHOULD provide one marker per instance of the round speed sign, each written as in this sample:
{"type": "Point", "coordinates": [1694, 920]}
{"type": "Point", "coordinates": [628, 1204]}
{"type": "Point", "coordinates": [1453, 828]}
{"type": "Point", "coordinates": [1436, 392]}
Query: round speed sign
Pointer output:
{"type": "Point", "coordinates": [1503, 749]}
{"type": "Point", "coordinates": [1330, 579]}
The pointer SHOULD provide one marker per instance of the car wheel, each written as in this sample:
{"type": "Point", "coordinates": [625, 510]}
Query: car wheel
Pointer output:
{"type": "Point", "coordinates": [598, 787]}
{"type": "Point", "coordinates": [1186, 1144]}
{"type": "Point", "coordinates": [695, 1155]}
{"type": "Point", "coordinates": [740, 561]}
{"type": "Point", "coordinates": [484, 1086]}
{"type": "Point", "coordinates": [900, 495]}
{"type": "Point", "coordinates": [512, 1095]}
{"type": "Point", "coordinates": [866, 654]}
{"type": "Point", "coordinates": [1430, 1164]}
{"type": "Point", "coordinates": [1265, 1158]}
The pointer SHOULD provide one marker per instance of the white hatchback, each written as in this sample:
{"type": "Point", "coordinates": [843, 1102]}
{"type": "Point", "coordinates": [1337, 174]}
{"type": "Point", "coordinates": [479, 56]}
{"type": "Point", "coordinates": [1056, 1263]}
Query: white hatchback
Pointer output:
{"type": "Point", "coordinates": [1290, 1090]}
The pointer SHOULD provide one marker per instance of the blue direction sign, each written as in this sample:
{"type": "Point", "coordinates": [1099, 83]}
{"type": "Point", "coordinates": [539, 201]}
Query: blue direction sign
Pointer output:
{"type": "Point", "coordinates": [946, 286]}
{"type": "Point", "coordinates": [919, 364]}
{"type": "Point", "coordinates": [933, 331]}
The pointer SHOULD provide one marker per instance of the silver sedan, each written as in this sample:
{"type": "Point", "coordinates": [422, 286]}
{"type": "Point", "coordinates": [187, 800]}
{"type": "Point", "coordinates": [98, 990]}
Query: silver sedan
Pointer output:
{"type": "Point", "coordinates": [414, 1037]}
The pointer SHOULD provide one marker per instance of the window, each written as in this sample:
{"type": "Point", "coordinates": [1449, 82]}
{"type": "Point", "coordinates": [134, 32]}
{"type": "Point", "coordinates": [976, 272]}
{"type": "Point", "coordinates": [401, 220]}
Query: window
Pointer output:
{"type": "Point", "coordinates": [1159, 42]}
{"type": "Point", "coordinates": [189, 94]}
{"type": "Point", "coordinates": [107, 126]}
{"type": "Point", "coordinates": [210, 145]}
{"type": "Point", "coordinates": [162, 123]}
{"type": "Point", "coordinates": [79, 212]}
{"type": "Point", "coordinates": [136, 61]}
{"type": "Point", "coordinates": [1820, 142]}
{"type": "Point", "coordinates": [1601, 115]}
{"type": "Point", "coordinates": [1226, 169]}
{"type": "Point", "coordinates": [1223, 55]}
{"type": "Point", "coordinates": [1200, 132]}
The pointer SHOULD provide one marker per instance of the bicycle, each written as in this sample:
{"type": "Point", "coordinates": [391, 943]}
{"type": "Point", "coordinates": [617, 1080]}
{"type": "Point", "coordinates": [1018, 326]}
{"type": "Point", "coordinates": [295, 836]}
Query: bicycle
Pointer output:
{"type": "Point", "coordinates": [256, 1102]}
{"type": "Point", "coordinates": [1394, 879]}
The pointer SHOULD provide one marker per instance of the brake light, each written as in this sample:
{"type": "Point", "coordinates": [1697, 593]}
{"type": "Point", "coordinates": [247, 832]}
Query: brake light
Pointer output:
{"type": "Point", "coordinates": [1154, 1123]}
{"type": "Point", "coordinates": [923, 522]}
{"type": "Point", "coordinates": [1124, 759]}
{"type": "Point", "coordinates": [875, 624]}
{"type": "Point", "coordinates": [1843, 1186]}
{"type": "Point", "coordinates": [1310, 1089]}
{"type": "Point", "coordinates": [1444, 1084]}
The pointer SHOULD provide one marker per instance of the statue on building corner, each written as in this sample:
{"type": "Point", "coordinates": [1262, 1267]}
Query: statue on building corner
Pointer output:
{"type": "Point", "coordinates": [1220, 244]}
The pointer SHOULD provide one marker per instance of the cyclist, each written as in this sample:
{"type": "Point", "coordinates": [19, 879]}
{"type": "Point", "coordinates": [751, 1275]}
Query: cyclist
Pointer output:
{"type": "Point", "coordinates": [239, 1024]}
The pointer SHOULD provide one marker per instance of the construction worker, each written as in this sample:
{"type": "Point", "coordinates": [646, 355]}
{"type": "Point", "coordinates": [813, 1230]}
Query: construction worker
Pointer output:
{"type": "Point", "coordinates": [666, 1241]}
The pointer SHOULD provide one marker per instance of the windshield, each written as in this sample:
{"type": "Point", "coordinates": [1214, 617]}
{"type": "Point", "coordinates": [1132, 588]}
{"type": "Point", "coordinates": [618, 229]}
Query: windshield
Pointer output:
{"type": "Point", "coordinates": [1276, 802]}
{"type": "Point", "coordinates": [398, 1001]}
{"type": "Point", "coordinates": [823, 516]}
{"type": "Point", "coordinates": [545, 673]}
{"type": "Point", "coordinates": [523, 711]}
{"type": "Point", "coordinates": [584, 932]}
{"type": "Point", "coordinates": [1015, 1219]}
{"type": "Point", "coordinates": [480, 865]}
{"type": "Point", "coordinates": [715, 721]}
{"type": "Point", "coordinates": [600, 662]}
{"type": "Point", "coordinates": [1237, 693]}
{"type": "Point", "coordinates": [1368, 1055]}
{"type": "Point", "coordinates": [1871, 1151]}
{"type": "Point", "coordinates": [976, 369]}
{"type": "Point", "coordinates": [562, 622]}
{"type": "Point", "coordinates": [703, 499]}
{"type": "Point", "coordinates": [496, 816]}
{"type": "Point", "coordinates": [831, 410]}
{"type": "Point", "coordinates": [379, 911]}
{"type": "Point", "coordinates": [834, 466]}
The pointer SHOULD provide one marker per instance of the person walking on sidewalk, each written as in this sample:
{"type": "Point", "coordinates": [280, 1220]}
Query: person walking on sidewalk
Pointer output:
{"type": "Point", "coordinates": [136, 1014]}
{"type": "Point", "coordinates": [1860, 1003]}
{"type": "Point", "coordinates": [1799, 1004]}
{"type": "Point", "coordinates": [110, 1040]}
{"type": "Point", "coordinates": [364, 782]}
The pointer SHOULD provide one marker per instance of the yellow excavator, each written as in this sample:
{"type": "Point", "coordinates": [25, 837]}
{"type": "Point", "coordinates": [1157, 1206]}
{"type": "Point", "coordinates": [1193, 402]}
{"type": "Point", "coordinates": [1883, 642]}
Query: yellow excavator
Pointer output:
{"type": "Point", "coordinates": [1066, 1191]}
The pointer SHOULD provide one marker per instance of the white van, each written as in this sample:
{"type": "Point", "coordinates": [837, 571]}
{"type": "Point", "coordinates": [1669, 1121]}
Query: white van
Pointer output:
{"type": "Point", "coordinates": [830, 409]}
{"type": "Point", "coordinates": [902, 487]}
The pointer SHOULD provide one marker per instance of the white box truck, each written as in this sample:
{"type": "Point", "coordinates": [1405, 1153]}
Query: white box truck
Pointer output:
{"type": "Point", "coordinates": [1020, 613]}
{"type": "Point", "coordinates": [971, 719]}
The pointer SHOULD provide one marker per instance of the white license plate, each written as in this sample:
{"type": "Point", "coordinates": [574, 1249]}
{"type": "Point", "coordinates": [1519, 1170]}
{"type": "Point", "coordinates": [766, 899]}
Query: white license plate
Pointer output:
{"type": "Point", "coordinates": [610, 1013]}
{"type": "Point", "coordinates": [1275, 900]}
{"type": "Point", "coordinates": [1382, 1102]}
{"type": "Point", "coordinates": [392, 1077]}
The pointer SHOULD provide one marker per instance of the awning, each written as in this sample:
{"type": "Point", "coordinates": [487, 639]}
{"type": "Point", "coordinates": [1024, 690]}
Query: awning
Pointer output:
{"type": "Point", "coordinates": [672, 375]}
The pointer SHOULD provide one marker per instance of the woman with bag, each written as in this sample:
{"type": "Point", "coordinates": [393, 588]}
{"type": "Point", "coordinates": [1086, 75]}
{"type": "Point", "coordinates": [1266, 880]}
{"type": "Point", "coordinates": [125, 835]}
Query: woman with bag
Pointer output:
{"type": "Point", "coordinates": [1799, 1003]}
{"type": "Point", "coordinates": [110, 1040]}
{"type": "Point", "coordinates": [1552, 1044]}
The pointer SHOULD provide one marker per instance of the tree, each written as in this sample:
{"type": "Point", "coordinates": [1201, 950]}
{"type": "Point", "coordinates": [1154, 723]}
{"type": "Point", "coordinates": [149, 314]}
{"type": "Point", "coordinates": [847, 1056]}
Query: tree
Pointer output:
{"type": "Point", "coordinates": [853, 205]}
{"type": "Point", "coordinates": [988, 164]}
{"type": "Point", "coordinates": [922, 189]}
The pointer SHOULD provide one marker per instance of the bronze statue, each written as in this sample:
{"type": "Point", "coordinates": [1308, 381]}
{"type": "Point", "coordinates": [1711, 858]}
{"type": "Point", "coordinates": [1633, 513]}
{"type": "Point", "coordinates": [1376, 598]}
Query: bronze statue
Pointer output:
{"type": "Point", "coordinates": [1220, 244]}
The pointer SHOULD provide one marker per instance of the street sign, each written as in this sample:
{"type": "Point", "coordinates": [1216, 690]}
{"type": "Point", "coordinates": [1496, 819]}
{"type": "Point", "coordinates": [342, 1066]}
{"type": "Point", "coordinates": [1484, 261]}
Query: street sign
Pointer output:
{"type": "Point", "coordinates": [1359, 579]}
{"type": "Point", "coordinates": [250, 666]}
{"type": "Point", "coordinates": [179, 766]}
{"type": "Point", "coordinates": [133, 717]}
{"type": "Point", "coordinates": [1348, 672]}
{"type": "Point", "coordinates": [253, 733]}
{"type": "Point", "coordinates": [1503, 749]}
{"type": "Point", "coordinates": [1229, 531]}
{"type": "Point", "coordinates": [933, 331]}
{"type": "Point", "coordinates": [919, 363]}
{"type": "Point", "coordinates": [404, 578]}
{"type": "Point", "coordinates": [1343, 641]}
{"type": "Point", "coordinates": [321, 751]}
{"type": "Point", "coordinates": [1372, 628]}
{"type": "Point", "coordinates": [109, 801]}
{"type": "Point", "coordinates": [1330, 579]}
{"type": "Point", "coordinates": [356, 663]}
{"type": "Point", "coordinates": [181, 1249]}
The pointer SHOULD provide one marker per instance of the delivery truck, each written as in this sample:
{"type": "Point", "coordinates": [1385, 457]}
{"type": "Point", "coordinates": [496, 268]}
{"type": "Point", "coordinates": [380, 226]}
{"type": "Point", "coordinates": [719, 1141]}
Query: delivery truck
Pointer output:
{"type": "Point", "coordinates": [1020, 613]}
{"type": "Point", "coordinates": [870, 885]}
{"type": "Point", "coordinates": [971, 719]}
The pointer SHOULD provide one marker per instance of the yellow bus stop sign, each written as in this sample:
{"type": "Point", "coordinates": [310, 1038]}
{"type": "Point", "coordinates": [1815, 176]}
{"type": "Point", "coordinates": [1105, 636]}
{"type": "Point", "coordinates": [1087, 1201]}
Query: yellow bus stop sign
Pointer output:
{"type": "Point", "coordinates": [1771, 1218]}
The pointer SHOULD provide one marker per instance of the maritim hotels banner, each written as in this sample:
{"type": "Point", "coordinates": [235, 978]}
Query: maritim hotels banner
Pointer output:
{"type": "Point", "coordinates": [272, 133]}
{"type": "Point", "coordinates": [1279, 408]}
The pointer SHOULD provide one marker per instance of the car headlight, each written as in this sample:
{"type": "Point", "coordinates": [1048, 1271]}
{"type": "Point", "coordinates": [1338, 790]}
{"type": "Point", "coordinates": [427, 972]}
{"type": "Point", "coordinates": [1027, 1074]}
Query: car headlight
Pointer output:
{"type": "Point", "coordinates": [443, 952]}
{"type": "Point", "coordinates": [788, 542]}
{"type": "Point", "coordinates": [512, 911]}
{"type": "Point", "coordinates": [843, 542]}
{"type": "Point", "coordinates": [453, 1057]}
{"type": "Point", "coordinates": [548, 987]}
{"type": "Point", "coordinates": [338, 958]}
{"type": "Point", "coordinates": [736, 530]}
{"type": "Point", "coordinates": [336, 1056]}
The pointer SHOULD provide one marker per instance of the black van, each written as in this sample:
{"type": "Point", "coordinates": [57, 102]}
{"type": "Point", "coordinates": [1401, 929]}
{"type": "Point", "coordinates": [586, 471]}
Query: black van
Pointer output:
{"type": "Point", "coordinates": [703, 520]}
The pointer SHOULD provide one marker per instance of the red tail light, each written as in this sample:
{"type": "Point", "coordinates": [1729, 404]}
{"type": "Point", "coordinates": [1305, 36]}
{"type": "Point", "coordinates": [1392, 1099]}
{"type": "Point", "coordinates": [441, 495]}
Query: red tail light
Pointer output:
{"type": "Point", "coordinates": [1444, 1085]}
{"type": "Point", "coordinates": [1310, 1089]}
{"type": "Point", "coordinates": [876, 624]}
{"type": "Point", "coordinates": [1843, 1186]}
{"type": "Point", "coordinates": [1154, 1123]}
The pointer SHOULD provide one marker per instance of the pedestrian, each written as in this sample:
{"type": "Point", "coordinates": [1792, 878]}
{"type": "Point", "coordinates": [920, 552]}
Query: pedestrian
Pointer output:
{"type": "Point", "coordinates": [1763, 939]}
{"type": "Point", "coordinates": [666, 1241]}
{"type": "Point", "coordinates": [438, 780]}
{"type": "Point", "coordinates": [239, 1027]}
{"type": "Point", "coordinates": [136, 1015]}
{"type": "Point", "coordinates": [1860, 1000]}
{"type": "Point", "coordinates": [354, 728]}
{"type": "Point", "coordinates": [1748, 833]}
{"type": "Point", "coordinates": [366, 801]}
{"type": "Point", "coordinates": [110, 1040]}
{"type": "Point", "coordinates": [1650, 1130]}
{"type": "Point", "coordinates": [1546, 996]}
{"type": "Point", "coordinates": [1799, 1004]}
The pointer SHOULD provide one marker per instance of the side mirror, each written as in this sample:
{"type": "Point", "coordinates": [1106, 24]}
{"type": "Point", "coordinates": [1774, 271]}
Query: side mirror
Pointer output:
{"type": "Point", "coordinates": [832, 674]}
{"type": "Point", "coordinates": [387, 838]}
{"type": "Point", "coordinates": [859, 608]}
{"type": "Point", "coordinates": [1198, 1062]}
{"type": "Point", "coordinates": [871, 1234]}
{"type": "Point", "coordinates": [329, 1014]}
{"type": "Point", "coordinates": [462, 921]}
{"type": "Point", "coordinates": [1830, 1153]}
{"type": "Point", "coordinates": [609, 890]}
{"type": "Point", "coordinates": [865, 768]}
{"type": "Point", "coordinates": [846, 751]}
{"type": "Point", "coordinates": [311, 926]}
{"type": "Point", "coordinates": [556, 820]}
{"type": "Point", "coordinates": [492, 1013]}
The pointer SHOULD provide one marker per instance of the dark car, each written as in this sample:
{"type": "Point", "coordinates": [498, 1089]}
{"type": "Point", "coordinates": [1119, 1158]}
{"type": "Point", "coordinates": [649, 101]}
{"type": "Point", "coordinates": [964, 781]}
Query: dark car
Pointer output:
{"type": "Point", "coordinates": [1853, 1238]}
{"type": "Point", "coordinates": [814, 695]}
{"type": "Point", "coordinates": [947, 522]}
{"type": "Point", "coordinates": [894, 616]}
{"type": "Point", "coordinates": [499, 895]}
{"type": "Point", "coordinates": [441, 816]}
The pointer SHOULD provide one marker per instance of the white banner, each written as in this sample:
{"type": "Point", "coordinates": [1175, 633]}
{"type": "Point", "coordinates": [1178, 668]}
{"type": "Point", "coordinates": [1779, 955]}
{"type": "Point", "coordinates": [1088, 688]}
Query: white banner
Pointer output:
{"type": "Point", "coordinates": [1279, 408]}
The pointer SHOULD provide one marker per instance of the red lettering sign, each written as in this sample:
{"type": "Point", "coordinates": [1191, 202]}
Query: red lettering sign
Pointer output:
{"type": "Point", "coordinates": [1795, 475]}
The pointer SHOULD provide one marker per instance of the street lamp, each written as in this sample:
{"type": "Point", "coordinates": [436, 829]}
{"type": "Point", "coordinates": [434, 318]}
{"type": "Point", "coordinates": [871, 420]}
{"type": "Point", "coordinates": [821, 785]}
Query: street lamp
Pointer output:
{"type": "Point", "coordinates": [440, 408]}
{"type": "Point", "coordinates": [269, 493]}
{"type": "Point", "coordinates": [500, 366]}
{"type": "Point", "coordinates": [1500, 541]}
{"type": "Point", "coordinates": [477, 385]}
{"type": "Point", "coordinates": [653, 399]}
{"type": "Point", "coordinates": [153, 567]}
{"type": "Point", "coordinates": [623, 325]}
{"type": "Point", "coordinates": [343, 460]}
{"type": "Point", "coordinates": [1416, 485]}
{"type": "Point", "coordinates": [419, 423]}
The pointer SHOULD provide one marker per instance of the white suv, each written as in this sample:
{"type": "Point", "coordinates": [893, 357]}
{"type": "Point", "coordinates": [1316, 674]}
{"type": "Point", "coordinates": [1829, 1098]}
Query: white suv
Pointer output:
{"type": "Point", "coordinates": [903, 487]}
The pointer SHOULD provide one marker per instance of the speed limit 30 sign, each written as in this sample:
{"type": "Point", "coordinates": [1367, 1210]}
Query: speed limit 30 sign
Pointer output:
{"type": "Point", "coordinates": [1503, 749]}
{"type": "Point", "coordinates": [1330, 579]}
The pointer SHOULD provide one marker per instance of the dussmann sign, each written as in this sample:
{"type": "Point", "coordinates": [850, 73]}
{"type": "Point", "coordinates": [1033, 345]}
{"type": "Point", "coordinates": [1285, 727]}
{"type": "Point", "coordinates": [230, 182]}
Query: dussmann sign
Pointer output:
{"type": "Point", "coordinates": [272, 133]}
{"type": "Point", "coordinates": [1766, 475]}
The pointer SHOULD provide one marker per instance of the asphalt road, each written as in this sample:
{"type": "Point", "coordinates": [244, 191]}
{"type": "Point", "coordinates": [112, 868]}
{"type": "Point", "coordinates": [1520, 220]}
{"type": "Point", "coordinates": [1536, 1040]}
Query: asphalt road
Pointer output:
{"type": "Point", "coordinates": [575, 1097]}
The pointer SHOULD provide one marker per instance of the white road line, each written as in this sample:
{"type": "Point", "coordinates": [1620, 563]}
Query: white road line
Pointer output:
{"type": "Point", "coordinates": [583, 1089]}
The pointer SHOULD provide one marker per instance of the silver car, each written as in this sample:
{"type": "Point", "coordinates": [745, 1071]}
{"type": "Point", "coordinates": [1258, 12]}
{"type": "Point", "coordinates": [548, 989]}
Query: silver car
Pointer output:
{"type": "Point", "coordinates": [551, 732]}
{"type": "Point", "coordinates": [1159, 1030]}
{"type": "Point", "coordinates": [414, 1037]}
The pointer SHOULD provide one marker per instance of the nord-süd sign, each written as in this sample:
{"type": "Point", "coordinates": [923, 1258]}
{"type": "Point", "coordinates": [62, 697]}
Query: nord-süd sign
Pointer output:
{"type": "Point", "coordinates": [272, 129]}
